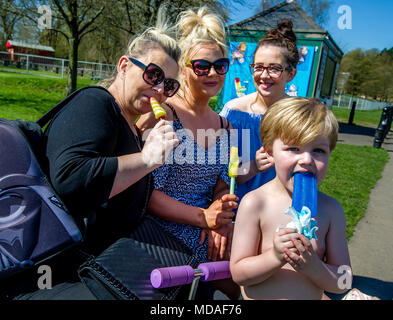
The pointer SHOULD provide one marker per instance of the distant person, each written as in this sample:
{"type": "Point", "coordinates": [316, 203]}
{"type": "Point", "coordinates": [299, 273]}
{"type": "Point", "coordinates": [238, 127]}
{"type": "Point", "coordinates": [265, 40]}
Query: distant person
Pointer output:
{"type": "Point", "coordinates": [274, 65]}
{"type": "Point", "coordinates": [269, 260]}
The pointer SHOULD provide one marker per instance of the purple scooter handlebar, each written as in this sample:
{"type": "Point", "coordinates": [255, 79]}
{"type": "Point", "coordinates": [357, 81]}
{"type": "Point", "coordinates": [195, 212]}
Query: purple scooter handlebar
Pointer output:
{"type": "Point", "coordinates": [181, 275]}
{"type": "Point", "coordinates": [215, 270]}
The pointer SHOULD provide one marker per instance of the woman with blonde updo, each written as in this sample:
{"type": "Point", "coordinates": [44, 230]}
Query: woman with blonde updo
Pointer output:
{"type": "Point", "coordinates": [191, 196]}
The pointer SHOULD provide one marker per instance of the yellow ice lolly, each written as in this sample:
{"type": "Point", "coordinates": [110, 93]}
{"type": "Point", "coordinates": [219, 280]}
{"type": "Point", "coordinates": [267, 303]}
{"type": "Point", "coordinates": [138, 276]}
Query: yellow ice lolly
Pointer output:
{"type": "Point", "coordinates": [233, 167]}
{"type": "Point", "coordinates": [159, 111]}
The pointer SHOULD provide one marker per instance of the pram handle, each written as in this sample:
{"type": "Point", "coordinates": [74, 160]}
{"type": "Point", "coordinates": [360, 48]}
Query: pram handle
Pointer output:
{"type": "Point", "coordinates": [181, 275]}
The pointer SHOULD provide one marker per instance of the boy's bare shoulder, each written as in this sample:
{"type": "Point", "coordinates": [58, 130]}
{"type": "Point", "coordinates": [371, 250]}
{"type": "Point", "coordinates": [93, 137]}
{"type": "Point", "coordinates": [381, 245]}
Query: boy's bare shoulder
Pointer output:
{"type": "Point", "coordinates": [328, 200]}
{"type": "Point", "coordinates": [253, 201]}
{"type": "Point", "coordinates": [330, 205]}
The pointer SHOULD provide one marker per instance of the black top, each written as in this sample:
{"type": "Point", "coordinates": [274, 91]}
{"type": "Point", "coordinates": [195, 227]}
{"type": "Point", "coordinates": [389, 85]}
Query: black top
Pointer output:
{"type": "Point", "coordinates": [83, 143]}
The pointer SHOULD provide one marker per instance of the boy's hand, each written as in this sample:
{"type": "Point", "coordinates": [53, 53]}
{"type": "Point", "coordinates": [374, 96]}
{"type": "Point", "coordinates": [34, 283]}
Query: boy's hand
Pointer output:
{"type": "Point", "coordinates": [304, 258]}
{"type": "Point", "coordinates": [282, 241]}
{"type": "Point", "coordinates": [261, 161]}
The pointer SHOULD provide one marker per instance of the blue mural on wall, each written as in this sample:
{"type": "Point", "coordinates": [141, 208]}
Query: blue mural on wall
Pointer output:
{"type": "Point", "coordinates": [239, 81]}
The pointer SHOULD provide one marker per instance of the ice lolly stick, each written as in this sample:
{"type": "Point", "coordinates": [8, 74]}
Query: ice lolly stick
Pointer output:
{"type": "Point", "coordinates": [159, 111]}
{"type": "Point", "coordinates": [305, 192]}
{"type": "Point", "coordinates": [233, 167]}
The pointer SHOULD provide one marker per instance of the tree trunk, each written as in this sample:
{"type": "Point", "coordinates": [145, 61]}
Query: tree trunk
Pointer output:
{"type": "Point", "coordinates": [73, 65]}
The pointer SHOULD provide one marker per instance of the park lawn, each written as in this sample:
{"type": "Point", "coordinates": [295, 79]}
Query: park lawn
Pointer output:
{"type": "Point", "coordinates": [361, 117]}
{"type": "Point", "coordinates": [353, 170]}
{"type": "Point", "coordinates": [27, 97]}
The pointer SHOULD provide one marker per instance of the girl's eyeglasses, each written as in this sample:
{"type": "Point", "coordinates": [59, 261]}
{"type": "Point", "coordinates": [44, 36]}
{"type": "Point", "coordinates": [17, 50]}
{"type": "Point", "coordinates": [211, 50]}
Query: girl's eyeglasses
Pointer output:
{"type": "Point", "coordinates": [274, 71]}
{"type": "Point", "coordinates": [154, 75]}
{"type": "Point", "coordinates": [202, 67]}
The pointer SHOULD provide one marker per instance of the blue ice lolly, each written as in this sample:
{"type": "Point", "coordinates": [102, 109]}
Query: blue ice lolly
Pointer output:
{"type": "Point", "coordinates": [305, 192]}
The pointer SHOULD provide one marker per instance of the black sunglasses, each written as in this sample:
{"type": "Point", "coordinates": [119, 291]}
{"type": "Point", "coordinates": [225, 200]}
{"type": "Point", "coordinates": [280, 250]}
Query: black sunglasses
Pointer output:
{"type": "Point", "coordinates": [154, 75]}
{"type": "Point", "coordinates": [202, 67]}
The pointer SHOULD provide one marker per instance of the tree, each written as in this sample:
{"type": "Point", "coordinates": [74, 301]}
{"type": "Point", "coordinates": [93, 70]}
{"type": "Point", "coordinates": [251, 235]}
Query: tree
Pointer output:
{"type": "Point", "coordinates": [352, 63]}
{"type": "Point", "coordinates": [104, 26]}
{"type": "Point", "coordinates": [73, 19]}
{"type": "Point", "coordinates": [368, 73]}
{"type": "Point", "coordinates": [8, 20]}
{"type": "Point", "coordinates": [79, 17]}
{"type": "Point", "coordinates": [133, 17]}
{"type": "Point", "coordinates": [317, 9]}
{"type": "Point", "coordinates": [123, 19]}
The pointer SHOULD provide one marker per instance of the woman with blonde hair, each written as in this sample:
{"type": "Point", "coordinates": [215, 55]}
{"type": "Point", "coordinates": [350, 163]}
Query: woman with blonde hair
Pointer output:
{"type": "Point", "coordinates": [97, 161]}
{"type": "Point", "coordinates": [191, 196]}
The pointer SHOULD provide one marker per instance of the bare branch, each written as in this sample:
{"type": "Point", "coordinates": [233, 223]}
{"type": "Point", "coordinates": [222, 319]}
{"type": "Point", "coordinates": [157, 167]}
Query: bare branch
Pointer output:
{"type": "Point", "coordinates": [91, 21]}
{"type": "Point", "coordinates": [61, 32]}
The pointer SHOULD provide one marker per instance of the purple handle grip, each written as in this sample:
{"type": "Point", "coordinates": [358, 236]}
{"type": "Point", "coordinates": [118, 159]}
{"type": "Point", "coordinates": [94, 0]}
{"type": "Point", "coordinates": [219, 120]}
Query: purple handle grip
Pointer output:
{"type": "Point", "coordinates": [305, 192]}
{"type": "Point", "coordinates": [215, 270]}
{"type": "Point", "coordinates": [171, 276]}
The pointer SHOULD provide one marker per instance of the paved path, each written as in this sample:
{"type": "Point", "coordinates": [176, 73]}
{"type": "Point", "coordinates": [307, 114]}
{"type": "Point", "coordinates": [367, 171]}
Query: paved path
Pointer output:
{"type": "Point", "coordinates": [371, 246]}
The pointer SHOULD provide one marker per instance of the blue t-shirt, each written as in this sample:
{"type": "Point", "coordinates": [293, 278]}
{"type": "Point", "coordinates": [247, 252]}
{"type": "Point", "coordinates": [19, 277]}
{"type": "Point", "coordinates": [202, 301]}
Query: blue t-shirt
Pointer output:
{"type": "Point", "coordinates": [247, 126]}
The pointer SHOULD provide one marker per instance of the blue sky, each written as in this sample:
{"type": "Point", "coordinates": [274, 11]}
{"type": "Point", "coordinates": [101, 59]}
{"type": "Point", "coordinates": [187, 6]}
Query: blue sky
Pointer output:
{"type": "Point", "coordinates": [372, 23]}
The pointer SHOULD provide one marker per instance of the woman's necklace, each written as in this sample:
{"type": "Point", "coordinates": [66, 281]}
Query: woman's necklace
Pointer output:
{"type": "Point", "coordinates": [136, 137]}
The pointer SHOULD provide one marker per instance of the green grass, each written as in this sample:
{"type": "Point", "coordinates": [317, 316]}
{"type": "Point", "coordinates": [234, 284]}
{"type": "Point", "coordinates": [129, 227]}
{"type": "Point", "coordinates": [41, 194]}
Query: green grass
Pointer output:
{"type": "Point", "coordinates": [361, 117]}
{"type": "Point", "coordinates": [353, 172]}
{"type": "Point", "coordinates": [27, 97]}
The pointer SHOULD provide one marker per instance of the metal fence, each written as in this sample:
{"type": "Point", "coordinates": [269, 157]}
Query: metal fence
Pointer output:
{"type": "Point", "coordinates": [51, 67]}
{"type": "Point", "coordinates": [345, 101]}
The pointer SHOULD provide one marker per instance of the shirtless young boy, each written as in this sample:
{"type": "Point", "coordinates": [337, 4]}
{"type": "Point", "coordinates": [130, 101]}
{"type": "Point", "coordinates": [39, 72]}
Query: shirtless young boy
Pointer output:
{"type": "Point", "coordinates": [268, 260]}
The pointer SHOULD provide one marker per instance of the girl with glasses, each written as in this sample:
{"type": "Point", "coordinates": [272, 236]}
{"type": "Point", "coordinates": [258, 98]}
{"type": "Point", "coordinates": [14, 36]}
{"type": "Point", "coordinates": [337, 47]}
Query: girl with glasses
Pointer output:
{"type": "Point", "coordinates": [274, 64]}
{"type": "Point", "coordinates": [191, 196]}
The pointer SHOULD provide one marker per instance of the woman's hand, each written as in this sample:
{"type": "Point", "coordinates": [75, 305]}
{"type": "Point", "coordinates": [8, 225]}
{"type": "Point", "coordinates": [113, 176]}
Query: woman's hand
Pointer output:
{"type": "Point", "coordinates": [219, 242]}
{"type": "Point", "coordinates": [220, 212]}
{"type": "Point", "coordinates": [261, 161]}
{"type": "Point", "coordinates": [159, 143]}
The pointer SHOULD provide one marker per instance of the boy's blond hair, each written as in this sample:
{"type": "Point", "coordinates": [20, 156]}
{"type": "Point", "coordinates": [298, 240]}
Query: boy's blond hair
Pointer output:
{"type": "Point", "coordinates": [298, 121]}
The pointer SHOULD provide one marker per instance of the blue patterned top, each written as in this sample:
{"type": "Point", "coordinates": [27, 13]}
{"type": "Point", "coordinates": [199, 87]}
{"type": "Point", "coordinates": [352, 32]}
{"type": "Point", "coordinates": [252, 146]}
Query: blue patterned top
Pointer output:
{"type": "Point", "coordinates": [249, 141]}
{"type": "Point", "coordinates": [189, 175]}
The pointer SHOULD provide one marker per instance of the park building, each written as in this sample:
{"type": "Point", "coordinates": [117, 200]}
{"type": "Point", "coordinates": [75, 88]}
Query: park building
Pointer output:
{"type": "Point", "coordinates": [22, 47]}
